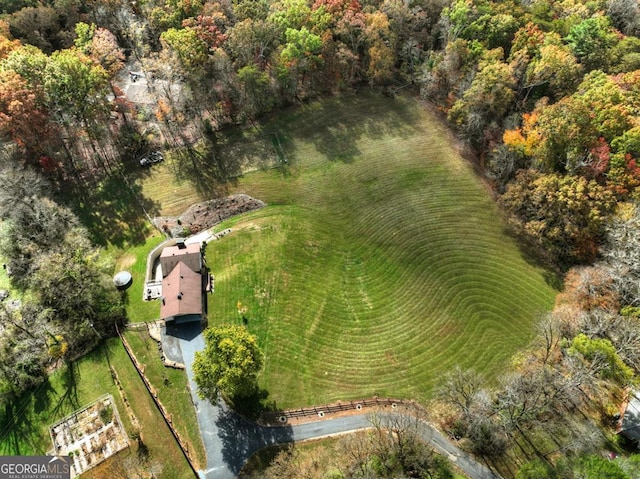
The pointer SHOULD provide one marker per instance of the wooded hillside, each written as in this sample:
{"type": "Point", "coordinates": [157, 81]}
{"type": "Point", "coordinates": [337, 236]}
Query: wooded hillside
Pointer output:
{"type": "Point", "coordinates": [545, 93]}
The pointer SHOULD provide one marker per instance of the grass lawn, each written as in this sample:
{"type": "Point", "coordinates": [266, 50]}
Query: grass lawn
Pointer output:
{"type": "Point", "coordinates": [24, 425]}
{"type": "Point", "coordinates": [134, 260]}
{"type": "Point", "coordinates": [173, 389]}
{"type": "Point", "coordinates": [380, 263]}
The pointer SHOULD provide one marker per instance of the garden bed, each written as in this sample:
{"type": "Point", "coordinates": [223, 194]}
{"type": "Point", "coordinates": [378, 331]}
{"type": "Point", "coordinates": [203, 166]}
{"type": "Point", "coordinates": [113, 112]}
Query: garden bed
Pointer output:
{"type": "Point", "coordinates": [89, 435]}
{"type": "Point", "coordinates": [202, 216]}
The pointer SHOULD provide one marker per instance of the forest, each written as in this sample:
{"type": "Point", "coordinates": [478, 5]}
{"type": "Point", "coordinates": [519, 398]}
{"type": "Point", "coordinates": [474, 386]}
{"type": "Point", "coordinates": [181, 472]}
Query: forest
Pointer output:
{"type": "Point", "coordinates": [545, 94]}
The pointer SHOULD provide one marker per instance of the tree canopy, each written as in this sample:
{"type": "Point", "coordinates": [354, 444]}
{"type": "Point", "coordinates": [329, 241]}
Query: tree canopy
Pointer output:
{"type": "Point", "coordinates": [71, 302]}
{"type": "Point", "coordinates": [229, 364]}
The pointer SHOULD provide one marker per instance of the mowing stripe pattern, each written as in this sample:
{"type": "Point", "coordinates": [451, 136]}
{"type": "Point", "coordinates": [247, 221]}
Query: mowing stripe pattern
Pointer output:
{"type": "Point", "coordinates": [380, 263]}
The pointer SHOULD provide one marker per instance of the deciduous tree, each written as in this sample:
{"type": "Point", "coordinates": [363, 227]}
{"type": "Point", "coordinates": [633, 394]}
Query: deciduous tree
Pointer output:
{"type": "Point", "coordinates": [256, 95]}
{"type": "Point", "coordinates": [625, 15]}
{"type": "Point", "coordinates": [556, 67]}
{"type": "Point", "coordinates": [229, 364]}
{"type": "Point", "coordinates": [591, 41]}
{"type": "Point", "coordinates": [487, 100]}
{"type": "Point", "coordinates": [603, 358]}
{"type": "Point", "coordinates": [621, 252]}
{"type": "Point", "coordinates": [460, 388]}
{"type": "Point", "coordinates": [23, 117]}
{"type": "Point", "coordinates": [38, 26]}
{"type": "Point", "coordinates": [252, 41]}
{"type": "Point", "coordinates": [565, 216]}
{"type": "Point", "coordinates": [190, 49]}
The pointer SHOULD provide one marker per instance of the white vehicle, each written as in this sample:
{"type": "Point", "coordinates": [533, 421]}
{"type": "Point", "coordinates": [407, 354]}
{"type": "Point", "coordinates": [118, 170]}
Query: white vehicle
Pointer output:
{"type": "Point", "coordinates": [151, 158]}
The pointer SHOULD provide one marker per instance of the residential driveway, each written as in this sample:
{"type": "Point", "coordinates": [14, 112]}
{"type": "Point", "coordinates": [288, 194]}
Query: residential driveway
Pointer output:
{"type": "Point", "coordinates": [180, 344]}
{"type": "Point", "coordinates": [229, 440]}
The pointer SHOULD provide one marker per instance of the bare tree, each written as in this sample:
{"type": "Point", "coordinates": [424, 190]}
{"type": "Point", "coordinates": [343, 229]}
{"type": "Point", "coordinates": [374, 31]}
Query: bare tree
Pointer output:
{"type": "Point", "coordinates": [460, 388]}
{"type": "Point", "coordinates": [284, 464]}
{"type": "Point", "coordinates": [626, 339]}
{"type": "Point", "coordinates": [358, 448]}
{"type": "Point", "coordinates": [548, 337]}
{"type": "Point", "coordinates": [598, 323]}
{"type": "Point", "coordinates": [622, 254]}
{"type": "Point", "coordinates": [625, 15]}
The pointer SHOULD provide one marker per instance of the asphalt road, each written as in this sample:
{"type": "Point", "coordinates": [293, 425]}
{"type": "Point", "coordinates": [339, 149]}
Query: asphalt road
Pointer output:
{"type": "Point", "coordinates": [229, 440]}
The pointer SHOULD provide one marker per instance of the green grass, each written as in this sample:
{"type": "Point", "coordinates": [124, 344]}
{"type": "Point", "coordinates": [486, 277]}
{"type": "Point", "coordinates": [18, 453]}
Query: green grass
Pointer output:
{"type": "Point", "coordinates": [173, 389]}
{"type": "Point", "coordinates": [380, 263]}
{"type": "Point", "coordinates": [24, 424]}
{"type": "Point", "coordinates": [134, 260]}
{"type": "Point", "coordinates": [115, 209]}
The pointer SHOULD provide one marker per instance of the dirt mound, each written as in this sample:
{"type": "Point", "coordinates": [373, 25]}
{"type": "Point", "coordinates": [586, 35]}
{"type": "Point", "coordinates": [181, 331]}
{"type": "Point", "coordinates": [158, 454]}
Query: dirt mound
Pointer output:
{"type": "Point", "coordinates": [202, 216]}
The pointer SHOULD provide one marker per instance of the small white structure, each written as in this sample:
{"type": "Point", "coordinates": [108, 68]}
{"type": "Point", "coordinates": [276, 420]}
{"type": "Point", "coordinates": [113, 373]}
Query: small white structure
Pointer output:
{"type": "Point", "coordinates": [122, 280]}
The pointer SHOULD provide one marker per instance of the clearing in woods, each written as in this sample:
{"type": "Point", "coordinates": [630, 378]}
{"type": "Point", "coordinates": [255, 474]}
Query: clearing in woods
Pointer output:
{"type": "Point", "coordinates": [380, 262]}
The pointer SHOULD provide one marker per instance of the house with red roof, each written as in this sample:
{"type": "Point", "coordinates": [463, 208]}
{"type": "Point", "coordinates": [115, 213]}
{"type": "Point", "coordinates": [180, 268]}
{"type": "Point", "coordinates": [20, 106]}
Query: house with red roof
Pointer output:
{"type": "Point", "coordinates": [184, 282]}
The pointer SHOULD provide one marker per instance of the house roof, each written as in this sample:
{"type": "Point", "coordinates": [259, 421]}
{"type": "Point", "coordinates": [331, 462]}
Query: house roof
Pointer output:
{"type": "Point", "coordinates": [181, 293]}
{"type": "Point", "coordinates": [187, 253]}
{"type": "Point", "coordinates": [630, 426]}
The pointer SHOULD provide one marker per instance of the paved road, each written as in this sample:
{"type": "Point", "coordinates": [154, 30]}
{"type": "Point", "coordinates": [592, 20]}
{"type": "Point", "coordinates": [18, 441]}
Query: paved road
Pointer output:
{"type": "Point", "coordinates": [229, 440]}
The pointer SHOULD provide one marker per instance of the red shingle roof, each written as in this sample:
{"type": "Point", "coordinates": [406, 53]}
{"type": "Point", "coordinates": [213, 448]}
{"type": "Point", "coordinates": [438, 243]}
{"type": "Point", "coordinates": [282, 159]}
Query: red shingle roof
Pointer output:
{"type": "Point", "coordinates": [187, 253]}
{"type": "Point", "coordinates": [181, 292]}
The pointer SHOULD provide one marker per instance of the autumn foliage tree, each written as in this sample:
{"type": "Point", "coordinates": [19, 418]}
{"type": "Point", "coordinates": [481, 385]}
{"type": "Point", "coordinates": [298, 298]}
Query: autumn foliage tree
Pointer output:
{"type": "Point", "coordinates": [564, 216]}
{"type": "Point", "coordinates": [488, 98]}
{"type": "Point", "coordinates": [23, 118]}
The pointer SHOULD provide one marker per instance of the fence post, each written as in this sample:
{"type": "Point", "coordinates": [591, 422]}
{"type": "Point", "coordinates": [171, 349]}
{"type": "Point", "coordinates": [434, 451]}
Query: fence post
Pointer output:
{"type": "Point", "coordinates": [159, 405]}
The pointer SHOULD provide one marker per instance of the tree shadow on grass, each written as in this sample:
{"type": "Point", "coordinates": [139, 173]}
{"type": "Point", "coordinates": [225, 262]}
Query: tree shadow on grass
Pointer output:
{"type": "Point", "coordinates": [42, 399]}
{"type": "Point", "coordinates": [533, 255]}
{"type": "Point", "coordinates": [208, 166]}
{"type": "Point", "coordinates": [114, 210]}
{"type": "Point", "coordinates": [18, 432]}
{"type": "Point", "coordinates": [241, 438]}
{"type": "Point", "coordinates": [15, 427]}
{"type": "Point", "coordinates": [68, 401]}
{"type": "Point", "coordinates": [336, 125]}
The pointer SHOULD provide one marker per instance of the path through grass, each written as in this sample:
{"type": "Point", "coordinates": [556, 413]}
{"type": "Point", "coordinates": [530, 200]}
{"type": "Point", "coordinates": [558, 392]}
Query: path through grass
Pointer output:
{"type": "Point", "coordinates": [380, 263]}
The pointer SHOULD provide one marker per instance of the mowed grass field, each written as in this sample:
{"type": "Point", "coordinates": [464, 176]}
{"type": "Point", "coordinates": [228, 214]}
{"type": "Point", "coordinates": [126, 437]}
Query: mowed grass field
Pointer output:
{"type": "Point", "coordinates": [380, 263]}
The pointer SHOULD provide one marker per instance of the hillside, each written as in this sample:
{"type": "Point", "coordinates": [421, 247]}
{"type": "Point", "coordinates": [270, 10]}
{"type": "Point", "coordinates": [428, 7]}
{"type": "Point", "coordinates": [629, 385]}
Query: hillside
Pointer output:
{"type": "Point", "coordinates": [380, 262]}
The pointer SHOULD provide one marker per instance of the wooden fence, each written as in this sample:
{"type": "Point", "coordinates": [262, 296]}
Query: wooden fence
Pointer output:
{"type": "Point", "coordinates": [282, 417]}
{"type": "Point", "coordinates": [184, 447]}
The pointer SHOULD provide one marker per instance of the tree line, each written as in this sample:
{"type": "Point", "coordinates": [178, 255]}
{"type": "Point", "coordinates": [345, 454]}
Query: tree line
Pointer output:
{"type": "Point", "coordinates": [546, 93]}
{"type": "Point", "coordinates": [559, 406]}
{"type": "Point", "coordinates": [552, 112]}
{"type": "Point", "coordinates": [62, 302]}
{"type": "Point", "coordinates": [235, 61]}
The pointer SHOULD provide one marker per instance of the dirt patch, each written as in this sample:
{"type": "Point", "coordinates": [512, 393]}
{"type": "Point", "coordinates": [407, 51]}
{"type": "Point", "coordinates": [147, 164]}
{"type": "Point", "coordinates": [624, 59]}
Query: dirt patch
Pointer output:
{"type": "Point", "coordinates": [202, 216]}
{"type": "Point", "coordinates": [126, 260]}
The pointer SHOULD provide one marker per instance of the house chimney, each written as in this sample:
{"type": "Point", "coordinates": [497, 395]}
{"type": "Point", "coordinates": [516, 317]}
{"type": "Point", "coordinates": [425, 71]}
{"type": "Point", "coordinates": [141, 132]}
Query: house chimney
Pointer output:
{"type": "Point", "coordinates": [179, 295]}
{"type": "Point", "coordinates": [180, 244]}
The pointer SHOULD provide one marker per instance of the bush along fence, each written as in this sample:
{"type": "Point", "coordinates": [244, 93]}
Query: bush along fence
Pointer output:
{"type": "Point", "coordinates": [320, 412]}
{"type": "Point", "coordinates": [184, 446]}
